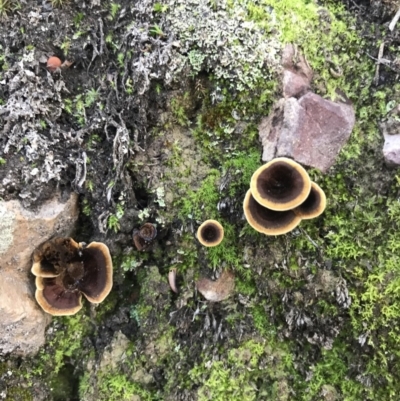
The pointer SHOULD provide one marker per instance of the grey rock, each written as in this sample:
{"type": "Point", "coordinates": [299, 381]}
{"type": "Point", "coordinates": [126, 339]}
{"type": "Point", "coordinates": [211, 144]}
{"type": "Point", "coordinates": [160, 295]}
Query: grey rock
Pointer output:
{"type": "Point", "coordinates": [391, 150]}
{"type": "Point", "coordinates": [297, 74]}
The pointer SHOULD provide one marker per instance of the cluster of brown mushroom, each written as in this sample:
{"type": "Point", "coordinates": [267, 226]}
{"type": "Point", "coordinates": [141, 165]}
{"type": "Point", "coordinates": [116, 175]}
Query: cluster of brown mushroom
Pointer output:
{"type": "Point", "coordinates": [281, 194]}
{"type": "Point", "coordinates": [65, 270]}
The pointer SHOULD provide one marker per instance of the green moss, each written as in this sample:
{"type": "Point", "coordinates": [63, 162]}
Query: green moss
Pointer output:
{"type": "Point", "coordinates": [18, 394]}
{"type": "Point", "coordinates": [235, 375]}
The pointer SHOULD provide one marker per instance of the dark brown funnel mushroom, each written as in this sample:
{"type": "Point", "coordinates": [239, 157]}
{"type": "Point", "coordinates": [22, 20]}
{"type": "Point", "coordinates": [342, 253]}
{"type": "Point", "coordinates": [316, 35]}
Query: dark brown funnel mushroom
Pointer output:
{"type": "Point", "coordinates": [54, 299]}
{"type": "Point", "coordinates": [97, 281]}
{"type": "Point", "coordinates": [143, 237]}
{"type": "Point", "coordinates": [64, 270]}
{"type": "Point", "coordinates": [267, 221]}
{"type": "Point", "coordinates": [281, 184]}
{"type": "Point", "coordinates": [314, 205]}
{"type": "Point", "coordinates": [210, 233]}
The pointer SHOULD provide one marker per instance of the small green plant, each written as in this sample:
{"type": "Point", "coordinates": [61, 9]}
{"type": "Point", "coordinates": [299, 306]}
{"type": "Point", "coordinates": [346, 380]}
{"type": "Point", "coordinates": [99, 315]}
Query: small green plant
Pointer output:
{"type": "Point", "coordinates": [2, 161]}
{"type": "Point", "coordinates": [91, 96]}
{"type": "Point", "coordinates": [114, 7]}
{"type": "Point", "coordinates": [59, 3]}
{"type": "Point", "coordinates": [160, 8]}
{"type": "Point", "coordinates": [157, 31]}
{"type": "Point", "coordinates": [7, 6]}
{"type": "Point", "coordinates": [113, 223]}
{"type": "Point", "coordinates": [78, 19]}
{"type": "Point", "coordinates": [65, 45]}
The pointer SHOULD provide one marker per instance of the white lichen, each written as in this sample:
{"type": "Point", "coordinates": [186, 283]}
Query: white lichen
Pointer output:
{"type": "Point", "coordinates": [220, 38]}
{"type": "Point", "coordinates": [7, 219]}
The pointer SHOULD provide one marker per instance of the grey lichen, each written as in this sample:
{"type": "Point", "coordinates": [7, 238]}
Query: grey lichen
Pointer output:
{"type": "Point", "coordinates": [7, 219]}
{"type": "Point", "coordinates": [222, 40]}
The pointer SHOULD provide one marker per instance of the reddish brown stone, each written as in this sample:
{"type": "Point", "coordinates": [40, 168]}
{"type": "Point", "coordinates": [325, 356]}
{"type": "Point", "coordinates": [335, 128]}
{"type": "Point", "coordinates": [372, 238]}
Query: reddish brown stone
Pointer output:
{"type": "Point", "coordinates": [297, 74]}
{"type": "Point", "coordinates": [311, 130]}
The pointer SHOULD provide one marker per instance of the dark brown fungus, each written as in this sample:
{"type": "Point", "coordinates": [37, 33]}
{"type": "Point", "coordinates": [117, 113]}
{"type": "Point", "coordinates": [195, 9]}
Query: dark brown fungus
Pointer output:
{"type": "Point", "coordinates": [210, 233]}
{"type": "Point", "coordinates": [314, 205]}
{"type": "Point", "coordinates": [143, 237]}
{"type": "Point", "coordinates": [65, 270]}
{"type": "Point", "coordinates": [267, 221]}
{"type": "Point", "coordinates": [281, 184]}
{"type": "Point", "coordinates": [148, 232]}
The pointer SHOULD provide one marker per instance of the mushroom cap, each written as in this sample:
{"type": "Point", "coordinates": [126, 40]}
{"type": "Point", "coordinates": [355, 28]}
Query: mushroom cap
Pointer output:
{"type": "Point", "coordinates": [148, 232]}
{"type": "Point", "coordinates": [314, 205]}
{"type": "Point", "coordinates": [210, 233]}
{"type": "Point", "coordinates": [219, 289]}
{"type": "Point", "coordinates": [267, 221]}
{"type": "Point", "coordinates": [54, 299]}
{"type": "Point", "coordinates": [281, 184]}
{"type": "Point", "coordinates": [97, 281]}
{"type": "Point", "coordinates": [53, 63]}
{"type": "Point", "coordinates": [53, 256]}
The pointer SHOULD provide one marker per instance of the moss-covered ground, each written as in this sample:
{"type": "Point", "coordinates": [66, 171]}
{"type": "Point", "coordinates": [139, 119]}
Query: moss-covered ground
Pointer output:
{"type": "Point", "coordinates": [315, 312]}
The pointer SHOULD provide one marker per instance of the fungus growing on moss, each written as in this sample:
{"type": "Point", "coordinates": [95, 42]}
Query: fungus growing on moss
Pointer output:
{"type": "Point", "coordinates": [267, 221]}
{"type": "Point", "coordinates": [143, 237]}
{"type": "Point", "coordinates": [314, 205]}
{"type": "Point", "coordinates": [281, 184]}
{"type": "Point", "coordinates": [53, 63]}
{"type": "Point", "coordinates": [210, 233]}
{"type": "Point", "coordinates": [65, 270]}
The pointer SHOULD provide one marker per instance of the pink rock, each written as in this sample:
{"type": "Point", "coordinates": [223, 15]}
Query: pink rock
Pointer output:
{"type": "Point", "coordinates": [311, 130]}
{"type": "Point", "coordinates": [23, 322]}
{"type": "Point", "coordinates": [391, 150]}
{"type": "Point", "coordinates": [297, 74]}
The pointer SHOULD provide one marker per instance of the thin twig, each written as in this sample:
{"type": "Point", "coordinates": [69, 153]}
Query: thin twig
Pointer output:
{"type": "Point", "coordinates": [394, 20]}
{"type": "Point", "coordinates": [380, 54]}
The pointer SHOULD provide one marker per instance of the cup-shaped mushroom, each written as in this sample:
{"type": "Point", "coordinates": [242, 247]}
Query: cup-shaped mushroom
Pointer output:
{"type": "Point", "coordinates": [97, 280]}
{"type": "Point", "coordinates": [210, 233]}
{"type": "Point", "coordinates": [267, 221]}
{"type": "Point", "coordinates": [53, 63]}
{"type": "Point", "coordinates": [148, 232]}
{"type": "Point", "coordinates": [52, 295]}
{"type": "Point", "coordinates": [281, 184]}
{"type": "Point", "coordinates": [53, 256]}
{"type": "Point", "coordinates": [314, 205]}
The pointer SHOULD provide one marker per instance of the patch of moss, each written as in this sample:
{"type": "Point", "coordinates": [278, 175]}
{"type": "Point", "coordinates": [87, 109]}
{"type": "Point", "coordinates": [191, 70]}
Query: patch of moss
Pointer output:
{"type": "Point", "coordinates": [252, 371]}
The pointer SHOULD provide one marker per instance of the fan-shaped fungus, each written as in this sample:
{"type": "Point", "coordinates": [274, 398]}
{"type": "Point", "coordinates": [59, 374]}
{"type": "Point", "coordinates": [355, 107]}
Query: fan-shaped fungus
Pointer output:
{"type": "Point", "coordinates": [267, 221]}
{"type": "Point", "coordinates": [210, 233]}
{"type": "Point", "coordinates": [65, 270]}
{"type": "Point", "coordinates": [314, 205]}
{"type": "Point", "coordinates": [53, 63]}
{"type": "Point", "coordinates": [281, 184]}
